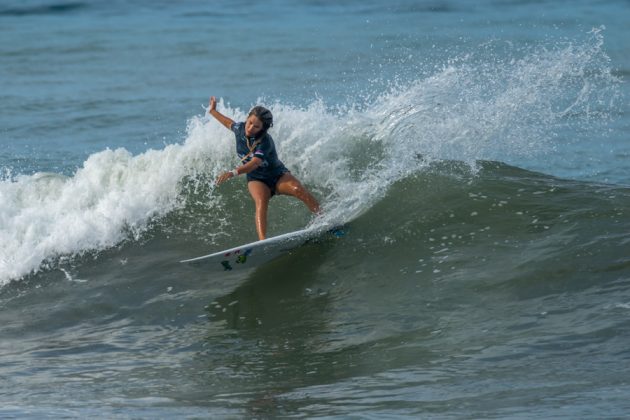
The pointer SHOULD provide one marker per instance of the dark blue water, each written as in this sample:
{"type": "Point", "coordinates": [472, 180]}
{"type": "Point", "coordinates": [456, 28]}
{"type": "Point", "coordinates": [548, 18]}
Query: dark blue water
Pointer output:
{"type": "Point", "coordinates": [478, 151]}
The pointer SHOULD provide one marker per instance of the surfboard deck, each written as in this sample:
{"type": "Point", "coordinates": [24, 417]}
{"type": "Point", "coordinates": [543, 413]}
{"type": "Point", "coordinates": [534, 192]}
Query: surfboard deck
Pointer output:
{"type": "Point", "coordinates": [256, 253]}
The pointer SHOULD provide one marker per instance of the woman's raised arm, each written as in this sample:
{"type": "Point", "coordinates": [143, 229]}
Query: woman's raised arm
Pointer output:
{"type": "Point", "coordinates": [227, 122]}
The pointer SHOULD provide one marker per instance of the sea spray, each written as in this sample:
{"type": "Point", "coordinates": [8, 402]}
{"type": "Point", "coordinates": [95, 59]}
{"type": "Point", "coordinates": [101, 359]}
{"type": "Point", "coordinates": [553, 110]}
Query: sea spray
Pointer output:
{"type": "Point", "coordinates": [483, 105]}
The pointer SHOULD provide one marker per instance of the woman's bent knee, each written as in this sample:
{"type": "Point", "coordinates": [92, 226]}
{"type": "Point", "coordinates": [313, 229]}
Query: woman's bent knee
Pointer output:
{"type": "Point", "coordinates": [293, 188]}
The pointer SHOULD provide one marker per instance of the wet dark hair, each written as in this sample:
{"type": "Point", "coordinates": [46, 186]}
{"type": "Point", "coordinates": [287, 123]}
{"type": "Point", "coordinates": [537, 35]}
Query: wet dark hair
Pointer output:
{"type": "Point", "coordinates": [264, 115]}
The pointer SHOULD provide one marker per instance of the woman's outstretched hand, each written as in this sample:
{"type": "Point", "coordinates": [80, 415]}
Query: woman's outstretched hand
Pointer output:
{"type": "Point", "coordinates": [213, 104]}
{"type": "Point", "coordinates": [224, 177]}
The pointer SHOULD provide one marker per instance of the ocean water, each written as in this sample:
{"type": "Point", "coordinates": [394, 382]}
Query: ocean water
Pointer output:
{"type": "Point", "coordinates": [477, 152]}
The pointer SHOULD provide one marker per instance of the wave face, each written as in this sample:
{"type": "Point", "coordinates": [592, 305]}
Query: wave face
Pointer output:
{"type": "Point", "coordinates": [473, 109]}
{"type": "Point", "coordinates": [450, 279]}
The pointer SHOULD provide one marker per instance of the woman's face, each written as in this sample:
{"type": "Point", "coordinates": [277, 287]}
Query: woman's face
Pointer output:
{"type": "Point", "coordinates": [253, 126]}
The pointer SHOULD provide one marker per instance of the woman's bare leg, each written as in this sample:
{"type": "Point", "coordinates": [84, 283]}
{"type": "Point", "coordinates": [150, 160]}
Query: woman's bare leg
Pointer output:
{"type": "Point", "coordinates": [289, 185]}
{"type": "Point", "coordinates": [261, 195]}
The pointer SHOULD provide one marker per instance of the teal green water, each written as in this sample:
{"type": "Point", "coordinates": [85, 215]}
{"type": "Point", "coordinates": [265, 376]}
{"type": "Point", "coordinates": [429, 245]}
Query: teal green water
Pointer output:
{"type": "Point", "coordinates": [477, 153]}
{"type": "Point", "coordinates": [453, 296]}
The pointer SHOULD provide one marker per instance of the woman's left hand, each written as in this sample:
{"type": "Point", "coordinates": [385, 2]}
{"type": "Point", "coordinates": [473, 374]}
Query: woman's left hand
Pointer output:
{"type": "Point", "coordinates": [224, 177]}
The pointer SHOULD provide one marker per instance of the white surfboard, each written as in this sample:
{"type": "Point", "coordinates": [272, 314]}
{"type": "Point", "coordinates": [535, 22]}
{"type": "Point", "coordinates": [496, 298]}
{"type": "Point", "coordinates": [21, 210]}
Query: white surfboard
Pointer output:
{"type": "Point", "coordinates": [259, 252]}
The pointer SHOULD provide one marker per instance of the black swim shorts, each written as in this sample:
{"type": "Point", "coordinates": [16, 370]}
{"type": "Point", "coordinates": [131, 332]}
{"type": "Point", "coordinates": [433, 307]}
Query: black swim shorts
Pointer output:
{"type": "Point", "coordinates": [268, 181]}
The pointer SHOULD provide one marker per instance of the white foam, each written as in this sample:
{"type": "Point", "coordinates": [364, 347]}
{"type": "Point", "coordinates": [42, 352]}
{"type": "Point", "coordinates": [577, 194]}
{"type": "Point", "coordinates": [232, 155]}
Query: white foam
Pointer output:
{"type": "Point", "coordinates": [114, 195]}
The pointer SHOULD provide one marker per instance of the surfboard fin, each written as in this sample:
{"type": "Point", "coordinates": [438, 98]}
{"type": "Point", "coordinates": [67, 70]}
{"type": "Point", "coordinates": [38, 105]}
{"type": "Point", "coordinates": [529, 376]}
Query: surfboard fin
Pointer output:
{"type": "Point", "coordinates": [337, 231]}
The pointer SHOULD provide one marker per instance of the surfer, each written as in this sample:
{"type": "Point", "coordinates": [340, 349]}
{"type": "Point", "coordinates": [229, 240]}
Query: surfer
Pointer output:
{"type": "Point", "coordinates": [266, 174]}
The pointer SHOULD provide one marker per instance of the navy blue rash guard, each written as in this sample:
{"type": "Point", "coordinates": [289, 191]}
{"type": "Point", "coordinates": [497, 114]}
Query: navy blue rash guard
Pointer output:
{"type": "Point", "coordinates": [271, 167]}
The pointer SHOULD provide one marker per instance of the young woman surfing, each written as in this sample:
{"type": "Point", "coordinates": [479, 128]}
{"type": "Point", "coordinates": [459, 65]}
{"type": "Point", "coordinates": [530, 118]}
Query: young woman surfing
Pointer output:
{"type": "Point", "coordinates": [266, 174]}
